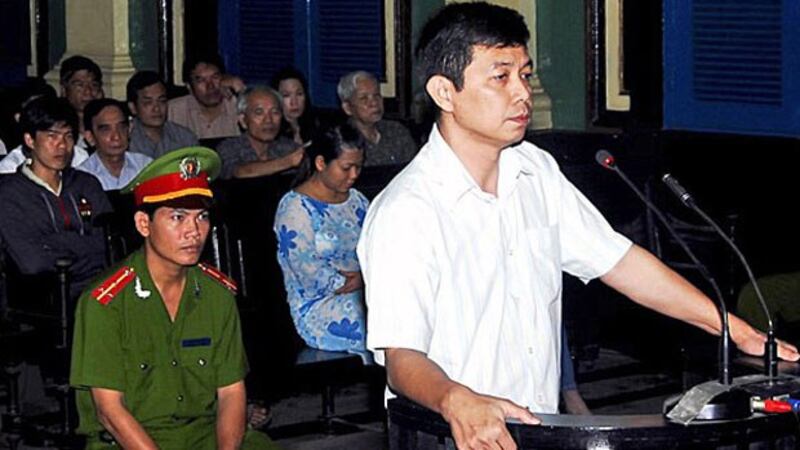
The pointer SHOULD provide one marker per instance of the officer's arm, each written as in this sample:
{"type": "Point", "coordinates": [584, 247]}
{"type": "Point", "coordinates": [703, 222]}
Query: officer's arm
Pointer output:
{"type": "Point", "coordinates": [115, 417]}
{"type": "Point", "coordinates": [232, 403]}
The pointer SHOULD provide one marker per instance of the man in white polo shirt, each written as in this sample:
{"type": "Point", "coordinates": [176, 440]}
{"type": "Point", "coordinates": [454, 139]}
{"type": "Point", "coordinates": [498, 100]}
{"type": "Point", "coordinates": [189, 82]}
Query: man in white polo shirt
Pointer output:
{"type": "Point", "coordinates": [462, 253]}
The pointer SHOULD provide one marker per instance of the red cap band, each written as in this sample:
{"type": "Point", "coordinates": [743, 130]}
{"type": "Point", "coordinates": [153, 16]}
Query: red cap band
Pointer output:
{"type": "Point", "coordinates": [171, 186]}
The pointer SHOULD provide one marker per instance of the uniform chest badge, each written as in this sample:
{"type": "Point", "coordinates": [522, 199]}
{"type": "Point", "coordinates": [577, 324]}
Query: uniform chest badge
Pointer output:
{"type": "Point", "coordinates": [137, 288]}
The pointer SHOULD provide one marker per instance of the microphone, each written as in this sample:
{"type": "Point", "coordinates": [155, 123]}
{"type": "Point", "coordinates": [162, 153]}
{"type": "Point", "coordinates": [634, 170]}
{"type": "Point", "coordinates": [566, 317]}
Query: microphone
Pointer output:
{"type": "Point", "coordinates": [771, 346]}
{"type": "Point", "coordinates": [606, 160]}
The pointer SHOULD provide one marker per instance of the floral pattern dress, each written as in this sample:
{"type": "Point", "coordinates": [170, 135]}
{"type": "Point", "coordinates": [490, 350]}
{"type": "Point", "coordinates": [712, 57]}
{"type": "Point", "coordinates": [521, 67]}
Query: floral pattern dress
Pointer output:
{"type": "Point", "coordinates": [317, 240]}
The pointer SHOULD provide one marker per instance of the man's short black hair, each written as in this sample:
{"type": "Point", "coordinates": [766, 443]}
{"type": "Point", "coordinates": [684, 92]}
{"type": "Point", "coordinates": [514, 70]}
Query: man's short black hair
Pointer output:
{"type": "Point", "coordinates": [447, 39]}
{"type": "Point", "coordinates": [191, 62]}
{"type": "Point", "coordinates": [139, 81]}
{"type": "Point", "coordinates": [43, 113]}
{"type": "Point", "coordinates": [95, 106]}
{"type": "Point", "coordinates": [75, 63]}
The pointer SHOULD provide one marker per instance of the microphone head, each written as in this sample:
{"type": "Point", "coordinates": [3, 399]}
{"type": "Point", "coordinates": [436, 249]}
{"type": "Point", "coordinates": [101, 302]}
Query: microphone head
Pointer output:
{"type": "Point", "coordinates": [605, 159]}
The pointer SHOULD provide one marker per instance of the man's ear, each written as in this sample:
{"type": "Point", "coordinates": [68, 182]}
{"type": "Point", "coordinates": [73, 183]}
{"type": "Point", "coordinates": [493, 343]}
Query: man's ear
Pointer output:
{"type": "Point", "coordinates": [347, 108]}
{"type": "Point", "coordinates": [29, 141]}
{"type": "Point", "coordinates": [242, 123]}
{"type": "Point", "coordinates": [132, 108]}
{"type": "Point", "coordinates": [89, 136]}
{"type": "Point", "coordinates": [319, 163]}
{"type": "Point", "coordinates": [142, 223]}
{"type": "Point", "coordinates": [442, 91]}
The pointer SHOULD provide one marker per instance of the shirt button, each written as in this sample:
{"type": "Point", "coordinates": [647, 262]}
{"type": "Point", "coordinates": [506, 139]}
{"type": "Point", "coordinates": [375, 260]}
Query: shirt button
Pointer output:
{"type": "Point", "coordinates": [174, 363]}
{"type": "Point", "coordinates": [201, 362]}
{"type": "Point", "coordinates": [540, 398]}
{"type": "Point", "coordinates": [179, 398]}
{"type": "Point", "coordinates": [530, 350]}
{"type": "Point", "coordinates": [143, 366]}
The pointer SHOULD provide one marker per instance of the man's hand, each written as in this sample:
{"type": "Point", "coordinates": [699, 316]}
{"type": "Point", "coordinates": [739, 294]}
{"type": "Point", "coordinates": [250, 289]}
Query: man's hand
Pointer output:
{"type": "Point", "coordinates": [231, 85]}
{"type": "Point", "coordinates": [293, 159]}
{"type": "Point", "coordinates": [353, 282]}
{"type": "Point", "coordinates": [751, 341]}
{"type": "Point", "coordinates": [478, 421]}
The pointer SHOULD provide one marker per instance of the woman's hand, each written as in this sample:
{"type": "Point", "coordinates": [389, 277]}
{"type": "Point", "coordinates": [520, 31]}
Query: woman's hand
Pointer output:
{"type": "Point", "coordinates": [353, 282]}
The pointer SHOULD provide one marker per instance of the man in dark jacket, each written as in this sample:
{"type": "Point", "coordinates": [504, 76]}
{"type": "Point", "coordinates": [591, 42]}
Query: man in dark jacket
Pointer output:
{"type": "Point", "coordinates": [47, 209]}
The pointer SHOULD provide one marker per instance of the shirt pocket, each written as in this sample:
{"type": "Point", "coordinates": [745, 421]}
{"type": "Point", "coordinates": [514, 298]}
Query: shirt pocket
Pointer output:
{"type": "Point", "coordinates": [199, 365]}
{"type": "Point", "coordinates": [544, 270]}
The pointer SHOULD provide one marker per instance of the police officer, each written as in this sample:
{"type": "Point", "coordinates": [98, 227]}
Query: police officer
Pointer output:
{"type": "Point", "coordinates": [157, 357]}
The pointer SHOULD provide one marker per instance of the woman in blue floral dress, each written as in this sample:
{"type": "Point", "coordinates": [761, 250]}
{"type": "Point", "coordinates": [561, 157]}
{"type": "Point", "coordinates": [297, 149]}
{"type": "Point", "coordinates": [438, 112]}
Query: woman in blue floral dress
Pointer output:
{"type": "Point", "coordinates": [318, 225]}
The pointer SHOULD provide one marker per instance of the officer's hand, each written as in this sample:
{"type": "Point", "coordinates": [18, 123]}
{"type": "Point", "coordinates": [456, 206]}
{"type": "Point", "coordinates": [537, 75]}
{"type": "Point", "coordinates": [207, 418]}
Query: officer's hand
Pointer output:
{"type": "Point", "coordinates": [751, 341]}
{"type": "Point", "coordinates": [478, 421]}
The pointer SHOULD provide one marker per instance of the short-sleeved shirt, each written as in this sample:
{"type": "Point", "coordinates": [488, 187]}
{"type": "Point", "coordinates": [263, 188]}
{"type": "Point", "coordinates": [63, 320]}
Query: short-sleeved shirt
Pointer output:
{"type": "Point", "coordinates": [134, 163]}
{"type": "Point", "coordinates": [237, 150]}
{"type": "Point", "coordinates": [395, 146]}
{"type": "Point", "coordinates": [168, 371]}
{"type": "Point", "coordinates": [186, 111]}
{"type": "Point", "coordinates": [173, 137]}
{"type": "Point", "coordinates": [473, 280]}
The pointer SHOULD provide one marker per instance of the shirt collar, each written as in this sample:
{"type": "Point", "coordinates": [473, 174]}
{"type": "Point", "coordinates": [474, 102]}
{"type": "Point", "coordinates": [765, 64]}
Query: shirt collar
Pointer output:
{"type": "Point", "coordinates": [28, 172]}
{"type": "Point", "coordinates": [449, 172]}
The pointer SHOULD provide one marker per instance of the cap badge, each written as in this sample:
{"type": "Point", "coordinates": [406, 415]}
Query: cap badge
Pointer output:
{"type": "Point", "coordinates": [190, 167]}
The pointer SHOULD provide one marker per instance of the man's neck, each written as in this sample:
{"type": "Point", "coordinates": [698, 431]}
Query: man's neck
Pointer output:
{"type": "Point", "coordinates": [152, 133]}
{"type": "Point", "coordinates": [369, 131]}
{"type": "Point", "coordinates": [49, 176]}
{"type": "Point", "coordinates": [169, 278]}
{"type": "Point", "coordinates": [261, 147]}
{"type": "Point", "coordinates": [112, 163]}
{"type": "Point", "coordinates": [480, 158]}
{"type": "Point", "coordinates": [212, 112]}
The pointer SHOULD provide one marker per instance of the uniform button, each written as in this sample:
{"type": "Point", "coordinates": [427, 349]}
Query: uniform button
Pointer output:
{"type": "Point", "coordinates": [179, 398]}
{"type": "Point", "coordinates": [143, 366]}
{"type": "Point", "coordinates": [174, 362]}
{"type": "Point", "coordinates": [201, 362]}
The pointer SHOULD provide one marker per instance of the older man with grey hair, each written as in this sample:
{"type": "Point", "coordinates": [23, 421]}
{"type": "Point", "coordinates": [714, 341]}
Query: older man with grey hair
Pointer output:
{"type": "Point", "coordinates": [259, 151]}
{"type": "Point", "coordinates": [388, 142]}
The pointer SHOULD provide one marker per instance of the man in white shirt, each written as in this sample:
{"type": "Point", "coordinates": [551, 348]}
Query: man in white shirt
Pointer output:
{"type": "Point", "coordinates": [462, 253]}
{"type": "Point", "coordinates": [107, 129]}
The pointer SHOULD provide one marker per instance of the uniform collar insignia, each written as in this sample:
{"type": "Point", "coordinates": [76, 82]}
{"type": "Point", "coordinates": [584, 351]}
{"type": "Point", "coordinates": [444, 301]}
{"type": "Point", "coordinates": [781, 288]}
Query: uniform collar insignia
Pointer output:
{"type": "Point", "coordinates": [137, 288]}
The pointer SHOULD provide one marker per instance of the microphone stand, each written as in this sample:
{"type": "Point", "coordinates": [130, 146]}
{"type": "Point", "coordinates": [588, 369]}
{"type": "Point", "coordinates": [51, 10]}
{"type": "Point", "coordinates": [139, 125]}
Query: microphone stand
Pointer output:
{"type": "Point", "coordinates": [771, 346]}
{"type": "Point", "coordinates": [712, 400]}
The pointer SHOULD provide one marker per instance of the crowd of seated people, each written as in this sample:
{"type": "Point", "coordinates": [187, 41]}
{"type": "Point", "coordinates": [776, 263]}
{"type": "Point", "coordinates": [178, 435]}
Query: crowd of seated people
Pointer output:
{"type": "Point", "coordinates": [48, 209]}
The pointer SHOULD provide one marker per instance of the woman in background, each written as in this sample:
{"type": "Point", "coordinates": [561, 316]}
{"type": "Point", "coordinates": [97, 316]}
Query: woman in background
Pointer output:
{"type": "Point", "coordinates": [300, 119]}
{"type": "Point", "coordinates": [318, 225]}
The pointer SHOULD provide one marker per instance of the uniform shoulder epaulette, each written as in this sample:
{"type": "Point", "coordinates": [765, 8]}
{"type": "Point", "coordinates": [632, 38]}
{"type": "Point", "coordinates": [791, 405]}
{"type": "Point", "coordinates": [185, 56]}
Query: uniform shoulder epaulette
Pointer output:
{"type": "Point", "coordinates": [219, 277]}
{"type": "Point", "coordinates": [109, 288]}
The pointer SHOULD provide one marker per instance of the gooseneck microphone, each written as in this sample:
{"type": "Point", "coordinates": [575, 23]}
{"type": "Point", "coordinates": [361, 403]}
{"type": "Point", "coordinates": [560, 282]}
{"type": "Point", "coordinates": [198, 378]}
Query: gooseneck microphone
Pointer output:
{"type": "Point", "coordinates": [771, 346]}
{"type": "Point", "coordinates": [606, 160]}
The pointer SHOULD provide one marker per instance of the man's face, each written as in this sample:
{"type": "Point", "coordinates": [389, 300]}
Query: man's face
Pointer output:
{"type": "Point", "coordinates": [151, 105]}
{"type": "Point", "coordinates": [80, 89]}
{"type": "Point", "coordinates": [175, 236]}
{"type": "Point", "coordinates": [494, 105]}
{"type": "Point", "coordinates": [262, 119]}
{"type": "Point", "coordinates": [109, 133]}
{"type": "Point", "coordinates": [366, 104]}
{"type": "Point", "coordinates": [51, 149]}
{"type": "Point", "coordinates": [340, 174]}
{"type": "Point", "coordinates": [204, 82]}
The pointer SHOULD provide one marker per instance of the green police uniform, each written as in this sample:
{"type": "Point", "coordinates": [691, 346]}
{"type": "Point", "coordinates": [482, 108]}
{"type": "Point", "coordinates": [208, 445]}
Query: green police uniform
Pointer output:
{"type": "Point", "coordinates": [169, 371]}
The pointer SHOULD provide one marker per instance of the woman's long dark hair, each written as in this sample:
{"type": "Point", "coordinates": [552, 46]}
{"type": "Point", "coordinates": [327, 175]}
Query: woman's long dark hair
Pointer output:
{"type": "Point", "coordinates": [308, 121]}
{"type": "Point", "coordinates": [329, 144]}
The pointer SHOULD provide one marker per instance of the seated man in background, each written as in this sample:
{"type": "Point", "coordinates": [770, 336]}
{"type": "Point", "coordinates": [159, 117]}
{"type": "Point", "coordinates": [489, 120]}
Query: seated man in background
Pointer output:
{"type": "Point", "coordinates": [107, 128]}
{"type": "Point", "coordinates": [388, 142]}
{"type": "Point", "coordinates": [157, 357]}
{"type": "Point", "coordinates": [47, 210]}
{"type": "Point", "coordinates": [209, 110]}
{"type": "Point", "coordinates": [81, 82]}
{"type": "Point", "coordinates": [34, 88]}
{"type": "Point", "coordinates": [151, 133]}
{"type": "Point", "coordinates": [260, 150]}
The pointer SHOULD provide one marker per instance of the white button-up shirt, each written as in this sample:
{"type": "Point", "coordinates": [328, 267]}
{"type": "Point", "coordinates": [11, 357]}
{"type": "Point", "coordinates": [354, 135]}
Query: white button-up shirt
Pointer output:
{"type": "Point", "coordinates": [134, 163]}
{"type": "Point", "coordinates": [473, 280]}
